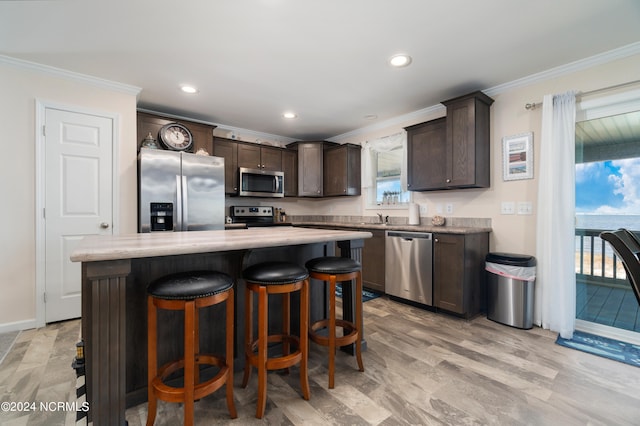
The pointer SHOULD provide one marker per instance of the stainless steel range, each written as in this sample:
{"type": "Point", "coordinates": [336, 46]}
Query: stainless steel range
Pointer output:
{"type": "Point", "coordinates": [254, 216]}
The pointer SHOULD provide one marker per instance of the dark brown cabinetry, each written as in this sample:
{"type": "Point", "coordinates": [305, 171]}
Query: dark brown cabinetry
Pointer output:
{"type": "Point", "coordinates": [228, 149]}
{"type": "Point", "coordinates": [373, 255]}
{"type": "Point", "coordinates": [454, 153]}
{"type": "Point", "coordinates": [426, 155]}
{"type": "Point", "coordinates": [310, 168]}
{"type": "Point", "coordinates": [327, 169]}
{"type": "Point", "coordinates": [459, 283]}
{"type": "Point", "coordinates": [254, 156]}
{"type": "Point", "coordinates": [468, 141]}
{"type": "Point", "coordinates": [151, 123]}
{"type": "Point", "coordinates": [290, 169]}
{"type": "Point", "coordinates": [341, 170]}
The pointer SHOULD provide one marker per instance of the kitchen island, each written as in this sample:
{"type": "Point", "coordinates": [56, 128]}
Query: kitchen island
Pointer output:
{"type": "Point", "coordinates": [117, 269]}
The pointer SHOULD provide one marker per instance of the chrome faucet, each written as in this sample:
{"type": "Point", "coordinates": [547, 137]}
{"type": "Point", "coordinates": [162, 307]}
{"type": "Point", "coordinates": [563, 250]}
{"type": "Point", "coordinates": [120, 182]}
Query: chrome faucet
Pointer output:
{"type": "Point", "coordinates": [379, 217]}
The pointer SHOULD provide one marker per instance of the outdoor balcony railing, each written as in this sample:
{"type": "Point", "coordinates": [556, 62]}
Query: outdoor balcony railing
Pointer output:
{"type": "Point", "coordinates": [596, 263]}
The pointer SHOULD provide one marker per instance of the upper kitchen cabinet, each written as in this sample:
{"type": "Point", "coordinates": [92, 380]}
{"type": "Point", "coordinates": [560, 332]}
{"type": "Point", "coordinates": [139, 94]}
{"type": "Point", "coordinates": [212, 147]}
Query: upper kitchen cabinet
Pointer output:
{"type": "Point", "coordinates": [459, 154]}
{"type": "Point", "coordinates": [310, 167]}
{"type": "Point", "coordinates": [254, 156]}
{"type": "Point", "coordinates": [228, 149]}
{"type": "Point", "coordinates": [152, 123]}
{"type": "Point", "coordinates": [468, 141]}
{"type": "Point", "coordinates": [426, 141]}
{"type": "Point", "coordinates": [341, 170]}
{"type": "Point", "coordinates": [290, 169]}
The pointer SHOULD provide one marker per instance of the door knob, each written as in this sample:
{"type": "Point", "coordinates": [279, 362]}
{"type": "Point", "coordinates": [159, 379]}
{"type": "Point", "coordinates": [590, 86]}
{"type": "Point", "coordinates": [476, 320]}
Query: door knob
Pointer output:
{"type": "Point", "coordinates": [104, 225]}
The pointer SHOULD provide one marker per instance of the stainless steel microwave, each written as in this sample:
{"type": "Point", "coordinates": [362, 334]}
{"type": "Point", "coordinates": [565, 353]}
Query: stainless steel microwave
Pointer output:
{"type": "Point", "coordinates": [260, 183]}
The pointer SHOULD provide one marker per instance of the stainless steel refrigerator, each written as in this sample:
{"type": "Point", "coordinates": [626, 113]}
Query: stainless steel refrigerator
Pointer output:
{"type": "Point", "coordinates": [179, 191]}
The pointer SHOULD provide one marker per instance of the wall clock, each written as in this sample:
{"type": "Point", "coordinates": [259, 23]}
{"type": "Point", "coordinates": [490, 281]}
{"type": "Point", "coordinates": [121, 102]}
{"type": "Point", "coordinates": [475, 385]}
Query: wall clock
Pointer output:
{"type": "Point", "coordinates": [176, 137]}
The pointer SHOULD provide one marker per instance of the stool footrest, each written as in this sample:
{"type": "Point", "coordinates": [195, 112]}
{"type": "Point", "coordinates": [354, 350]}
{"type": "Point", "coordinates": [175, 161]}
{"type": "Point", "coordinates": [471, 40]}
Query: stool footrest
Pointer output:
{"type": "Point", "coordinates": [276, 363]}
{"type": "Point", "coordinates": [176, 394]}
{"type": "Point", "coordinates": [349, 329]}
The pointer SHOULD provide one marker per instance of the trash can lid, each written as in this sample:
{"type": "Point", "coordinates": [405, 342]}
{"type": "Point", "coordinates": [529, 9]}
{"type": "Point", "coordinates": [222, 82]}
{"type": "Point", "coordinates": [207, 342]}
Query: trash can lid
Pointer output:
{"type": "Point", "coordinates": [511, 259]}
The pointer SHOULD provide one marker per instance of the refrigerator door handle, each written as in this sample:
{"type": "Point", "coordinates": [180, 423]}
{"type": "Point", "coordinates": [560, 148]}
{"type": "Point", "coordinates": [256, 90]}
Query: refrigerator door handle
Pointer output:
{"type": "Point", "coordinates": [185, 204]}
{"type": "Point", "coordinates": [179, 204]}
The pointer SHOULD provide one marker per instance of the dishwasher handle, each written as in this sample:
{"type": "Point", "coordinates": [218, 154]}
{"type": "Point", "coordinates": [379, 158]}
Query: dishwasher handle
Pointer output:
{"type": "Point", "coordinates": [409, 236]}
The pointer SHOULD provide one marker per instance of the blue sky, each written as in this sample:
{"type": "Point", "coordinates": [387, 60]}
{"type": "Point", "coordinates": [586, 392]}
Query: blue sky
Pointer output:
{"type": "Point", "coordinates": [608, 187]}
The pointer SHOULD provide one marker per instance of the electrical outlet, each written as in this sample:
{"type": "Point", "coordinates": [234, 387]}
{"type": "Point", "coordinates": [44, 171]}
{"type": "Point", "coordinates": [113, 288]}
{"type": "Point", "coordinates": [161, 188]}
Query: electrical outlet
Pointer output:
{"type": "Point", "coordinates": [439, 208]}
{"type": "Point", "coordinates": [525, 207]}
{"type": "Point", "coordinates": [508, 207]}
{"type": "Point", "coordinates": [449, 208]}
{"type": "Point", "coordinates": [423, 209]}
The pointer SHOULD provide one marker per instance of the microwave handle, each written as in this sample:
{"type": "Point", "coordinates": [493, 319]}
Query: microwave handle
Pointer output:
{"type": "Point", "coordinates": [277, 184]}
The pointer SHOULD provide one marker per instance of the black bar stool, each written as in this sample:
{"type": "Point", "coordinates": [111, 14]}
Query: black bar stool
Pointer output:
{"type": "Point", "coordinates": [345, 270]}
{"type": "Point", "coordinates": [275, 278]}
{"type": "Point", "coordinates": [188, 292]}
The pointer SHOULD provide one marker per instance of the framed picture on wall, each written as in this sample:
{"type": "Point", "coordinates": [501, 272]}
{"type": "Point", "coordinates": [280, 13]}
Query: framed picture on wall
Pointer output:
{"type": "Point", "coordinates": [517, 156]}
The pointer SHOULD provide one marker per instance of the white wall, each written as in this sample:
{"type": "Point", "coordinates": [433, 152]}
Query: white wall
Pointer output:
{"type": "Point", "coordinates": [20, 87]}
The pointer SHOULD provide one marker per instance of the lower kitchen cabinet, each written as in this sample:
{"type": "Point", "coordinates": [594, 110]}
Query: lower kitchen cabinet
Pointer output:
{"type": "Point", "coordinates": [373, 256]}
{"type": "Point", "coordinates": [459, 282]}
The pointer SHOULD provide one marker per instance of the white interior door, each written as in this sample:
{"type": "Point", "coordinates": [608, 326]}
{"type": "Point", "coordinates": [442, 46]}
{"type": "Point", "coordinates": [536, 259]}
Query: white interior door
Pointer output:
{"type": "Point", "coordinates": [78, 200]}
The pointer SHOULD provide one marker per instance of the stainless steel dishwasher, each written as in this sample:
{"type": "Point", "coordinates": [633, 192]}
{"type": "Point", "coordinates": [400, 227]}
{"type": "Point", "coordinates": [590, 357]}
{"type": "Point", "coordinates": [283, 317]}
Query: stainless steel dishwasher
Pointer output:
{"type": "Point", "coordinates": [409, 266]}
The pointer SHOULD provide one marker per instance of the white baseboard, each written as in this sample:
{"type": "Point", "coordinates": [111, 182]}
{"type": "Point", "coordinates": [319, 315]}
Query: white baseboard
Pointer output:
{"type": "Point", "coordinates": [18, 325]}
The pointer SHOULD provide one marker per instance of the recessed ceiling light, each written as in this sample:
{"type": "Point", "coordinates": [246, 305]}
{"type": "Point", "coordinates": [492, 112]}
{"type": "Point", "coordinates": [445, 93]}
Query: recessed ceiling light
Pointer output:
{"type": "Point", "coordinates": [289, 115]}
{"type": "Point", "coordinates": [400, 60]}
{"type": "Point", "coordinates": [188, 89]}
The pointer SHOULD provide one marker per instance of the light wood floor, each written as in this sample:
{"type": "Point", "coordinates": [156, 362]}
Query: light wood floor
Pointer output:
{"type": "Point", "coordinates": [422, 368]}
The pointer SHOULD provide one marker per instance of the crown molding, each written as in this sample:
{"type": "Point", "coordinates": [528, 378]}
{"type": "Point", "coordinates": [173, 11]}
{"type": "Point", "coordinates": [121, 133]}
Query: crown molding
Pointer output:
{"type": "Point", "coordinates": [582, 64]}
{"type": "Point", "coordinates": [70, 75]}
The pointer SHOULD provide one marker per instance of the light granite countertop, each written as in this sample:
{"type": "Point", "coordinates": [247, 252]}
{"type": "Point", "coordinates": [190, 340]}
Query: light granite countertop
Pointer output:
{"type": "Point", "coordinates": [114, 247]}
{"type": "Point", "coordinates": [392, 227]}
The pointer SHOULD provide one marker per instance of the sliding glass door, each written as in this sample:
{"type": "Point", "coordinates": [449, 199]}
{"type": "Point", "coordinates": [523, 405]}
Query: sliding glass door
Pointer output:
{"type": "Point", "coordinates": [607, 197]}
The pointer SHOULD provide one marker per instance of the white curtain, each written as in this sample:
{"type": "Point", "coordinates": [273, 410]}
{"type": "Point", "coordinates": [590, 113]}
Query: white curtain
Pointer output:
{"type": "Point", "coordinates": [384, 144]}
{"type": "Point", "coordinates": [555, 301]}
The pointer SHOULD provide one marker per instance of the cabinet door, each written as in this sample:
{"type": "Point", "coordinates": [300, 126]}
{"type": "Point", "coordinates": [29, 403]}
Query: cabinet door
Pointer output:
{"type": "Point", "coordinates": [373, 258]}
{"type": "Point", "coordinates": [249, 156]}
{"type": "Point", "coordinates": [271, 159]}
{"type": "Point", "coordinates": [229, 151]}
{"type": "Point", "coordinates": [468, 140]}
{"type": "Point", "coordinates": [341, 171]}
{"type": "Point", "coordinates": [290, 169]}
{"type": "Point", "coordinates": [448, 272]}
{"type": "Point", "coordinates": [310, 163]}
{"type": "Point", "coordinates": [334, 172]}
{"type": "Point", "coordinates": [427, 156]}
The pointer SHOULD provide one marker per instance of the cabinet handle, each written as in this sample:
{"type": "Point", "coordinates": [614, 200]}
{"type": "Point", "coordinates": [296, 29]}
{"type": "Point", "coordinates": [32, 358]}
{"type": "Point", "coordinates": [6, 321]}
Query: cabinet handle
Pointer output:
{"type": "Point", "coordinates": [448, 180]}
{"type": "Point", "coordinates": [436, 240]}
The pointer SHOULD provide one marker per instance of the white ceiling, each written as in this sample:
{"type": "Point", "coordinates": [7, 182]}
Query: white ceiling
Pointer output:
{"type": "Point", "coordinates": [326, 60]}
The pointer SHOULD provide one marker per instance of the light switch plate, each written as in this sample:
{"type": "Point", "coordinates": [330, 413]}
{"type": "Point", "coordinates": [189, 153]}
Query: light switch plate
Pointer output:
{"type": "Point", "coordinates": [525, 207]}
{"type": "Point", "coordinates": [508, 207]}
{"type": "Point", "coordinates": [449, 208]}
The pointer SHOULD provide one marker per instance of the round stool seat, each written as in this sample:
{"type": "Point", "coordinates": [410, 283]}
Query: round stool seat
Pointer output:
{"type": "Point", "coordinates": [190, 285]}
{"type": "Point", "coordinates": [333, 265]}
{"type": "Point", "coordinates": [274, 273]}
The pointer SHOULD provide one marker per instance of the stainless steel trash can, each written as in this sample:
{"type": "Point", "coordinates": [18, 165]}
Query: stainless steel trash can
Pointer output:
{"type": "Point", "coordinates": [510, 285]}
